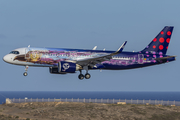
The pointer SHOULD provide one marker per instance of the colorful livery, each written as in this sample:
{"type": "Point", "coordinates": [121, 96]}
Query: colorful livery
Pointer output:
{"type": "Point", "coordinates": [62, 61]}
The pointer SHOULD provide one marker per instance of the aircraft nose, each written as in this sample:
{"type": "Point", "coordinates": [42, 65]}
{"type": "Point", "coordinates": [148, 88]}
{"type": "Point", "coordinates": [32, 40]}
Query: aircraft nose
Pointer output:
{"type": "Point", "coordinates": [7, 58]}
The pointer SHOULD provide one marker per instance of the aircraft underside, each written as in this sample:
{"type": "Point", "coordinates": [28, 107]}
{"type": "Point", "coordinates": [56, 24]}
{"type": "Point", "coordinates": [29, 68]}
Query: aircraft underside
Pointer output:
{"type": "Point", "coordinates": [114, 64]}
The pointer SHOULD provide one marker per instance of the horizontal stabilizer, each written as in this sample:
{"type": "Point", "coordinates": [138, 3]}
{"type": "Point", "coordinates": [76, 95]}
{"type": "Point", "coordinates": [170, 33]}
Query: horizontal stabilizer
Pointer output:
{"type": "Point", "coordinates": [165, 58]}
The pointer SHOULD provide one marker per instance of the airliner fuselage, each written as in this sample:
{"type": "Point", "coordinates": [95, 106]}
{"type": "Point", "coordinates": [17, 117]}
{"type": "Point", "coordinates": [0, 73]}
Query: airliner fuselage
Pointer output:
{"type": "Point", "coordinates": [62, 61]}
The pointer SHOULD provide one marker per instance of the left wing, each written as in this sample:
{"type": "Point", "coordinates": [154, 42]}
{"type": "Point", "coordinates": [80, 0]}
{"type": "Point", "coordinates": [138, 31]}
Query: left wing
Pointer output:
{"type": "Point", "coordinates": [97, 60]}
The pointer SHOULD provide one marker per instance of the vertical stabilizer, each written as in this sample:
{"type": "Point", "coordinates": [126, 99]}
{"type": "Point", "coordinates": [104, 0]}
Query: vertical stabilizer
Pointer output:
{"type": "Point", "coordinates": [161, 41]}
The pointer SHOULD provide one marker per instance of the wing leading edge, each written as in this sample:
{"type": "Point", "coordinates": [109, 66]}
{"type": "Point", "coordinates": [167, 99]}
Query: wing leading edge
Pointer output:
{"type": "Point", "coordinates": [97, 60]}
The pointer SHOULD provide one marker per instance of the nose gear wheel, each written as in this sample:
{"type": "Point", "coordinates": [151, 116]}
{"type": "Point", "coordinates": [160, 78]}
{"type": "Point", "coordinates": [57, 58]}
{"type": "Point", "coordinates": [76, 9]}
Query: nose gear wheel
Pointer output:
{"type": "Point", "coordinates": [25, 73]}
{"type": "Point", "coordinates": [26, 69]}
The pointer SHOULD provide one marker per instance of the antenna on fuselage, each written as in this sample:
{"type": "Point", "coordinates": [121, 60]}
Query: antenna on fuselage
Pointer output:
{"type": "Point", "coordinates": [94, 48]}
{"type": "Point", "coordinates": [104, 49]}
{"type": "Point", "coordinates": [28, 46]}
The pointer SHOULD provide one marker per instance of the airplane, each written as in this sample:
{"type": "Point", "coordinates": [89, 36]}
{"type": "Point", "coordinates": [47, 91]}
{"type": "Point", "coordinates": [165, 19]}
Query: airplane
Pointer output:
{"type": "Point", "coordinates": [63, 61]}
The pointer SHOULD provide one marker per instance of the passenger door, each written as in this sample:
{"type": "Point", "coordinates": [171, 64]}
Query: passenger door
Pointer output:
{"type": "Point", "coordinates": [27, 53]}
{"type": "Point", "coordinates": [140, 58]}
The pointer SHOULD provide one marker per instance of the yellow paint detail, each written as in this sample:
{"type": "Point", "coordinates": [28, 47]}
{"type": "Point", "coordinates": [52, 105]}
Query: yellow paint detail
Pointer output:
{"type": "Point", "coordinates": [35, 56]}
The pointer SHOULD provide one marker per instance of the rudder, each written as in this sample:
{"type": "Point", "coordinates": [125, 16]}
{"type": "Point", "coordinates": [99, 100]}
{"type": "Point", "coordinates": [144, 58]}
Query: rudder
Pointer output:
{"type": "Point", "coordinates": [161, 41]}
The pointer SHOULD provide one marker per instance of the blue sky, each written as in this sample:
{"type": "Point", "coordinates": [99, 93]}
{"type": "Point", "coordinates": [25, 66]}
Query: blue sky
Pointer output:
{"type": "Point", "coordinates": [84, 24]}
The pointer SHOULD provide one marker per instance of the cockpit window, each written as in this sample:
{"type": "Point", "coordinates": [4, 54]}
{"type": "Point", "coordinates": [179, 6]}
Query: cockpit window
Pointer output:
{"type": "Point", "coordinates": [14, 52]}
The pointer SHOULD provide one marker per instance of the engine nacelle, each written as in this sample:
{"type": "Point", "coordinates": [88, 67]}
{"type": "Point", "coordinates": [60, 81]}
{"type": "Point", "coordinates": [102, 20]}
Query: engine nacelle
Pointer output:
{"type": "Point", "coordinates": [54, 70]}
{"type": "Point", "coordinates": [67, 67]}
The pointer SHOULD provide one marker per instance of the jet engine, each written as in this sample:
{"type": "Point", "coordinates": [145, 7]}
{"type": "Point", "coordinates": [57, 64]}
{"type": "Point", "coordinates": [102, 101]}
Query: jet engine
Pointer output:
{"type": "Point", "coordinates": [64, 67]}
{"type": "Point", "coordinates": [54, 70]}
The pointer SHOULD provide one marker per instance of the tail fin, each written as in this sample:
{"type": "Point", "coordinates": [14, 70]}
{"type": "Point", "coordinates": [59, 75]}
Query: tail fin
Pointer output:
{"type": "Point", "coordinates": [161, 41]}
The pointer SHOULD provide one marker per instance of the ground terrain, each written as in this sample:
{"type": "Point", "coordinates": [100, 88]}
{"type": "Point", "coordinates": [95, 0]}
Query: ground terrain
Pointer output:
{"type": "Point", "coordinates": [86, 111]}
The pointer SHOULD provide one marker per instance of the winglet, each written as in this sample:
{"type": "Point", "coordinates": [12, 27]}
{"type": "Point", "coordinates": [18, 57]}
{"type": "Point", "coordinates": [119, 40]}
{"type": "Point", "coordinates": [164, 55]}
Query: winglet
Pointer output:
{"type": "Point", "coordinates": [121, 48]}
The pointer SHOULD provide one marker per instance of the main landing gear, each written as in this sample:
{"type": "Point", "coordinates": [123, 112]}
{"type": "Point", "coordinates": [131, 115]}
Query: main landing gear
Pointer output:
{"type": "Point", "coordinates": [87, 75]}
{"type": "Point", "coordinates": [26, 69]}
{"type": "Point", "coordinates": [81, 76]}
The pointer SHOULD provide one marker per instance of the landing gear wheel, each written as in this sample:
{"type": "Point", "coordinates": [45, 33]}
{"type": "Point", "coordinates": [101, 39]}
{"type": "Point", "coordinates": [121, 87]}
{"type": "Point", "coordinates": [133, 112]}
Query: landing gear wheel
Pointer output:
{"type": "Point", "coordinates": [81, 76]}
{"type": "Point", "coordinates": [25, 74]}
{"type": "Point", "coordinates": [87, 75]}
{"type": "Point", "coordinates": [26, 69]}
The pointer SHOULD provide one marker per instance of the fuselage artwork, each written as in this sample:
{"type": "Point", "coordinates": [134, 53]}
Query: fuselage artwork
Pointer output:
{"type": "Point", "coordinates": [62, 61]}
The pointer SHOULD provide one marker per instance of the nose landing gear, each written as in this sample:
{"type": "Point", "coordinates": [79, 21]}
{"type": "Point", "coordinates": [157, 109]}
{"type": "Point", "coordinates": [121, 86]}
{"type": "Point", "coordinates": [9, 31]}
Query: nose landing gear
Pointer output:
{"type": "Point", "coordinates": [25, 73]}
{"type": "Point", "coordinates": [26, 69]}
